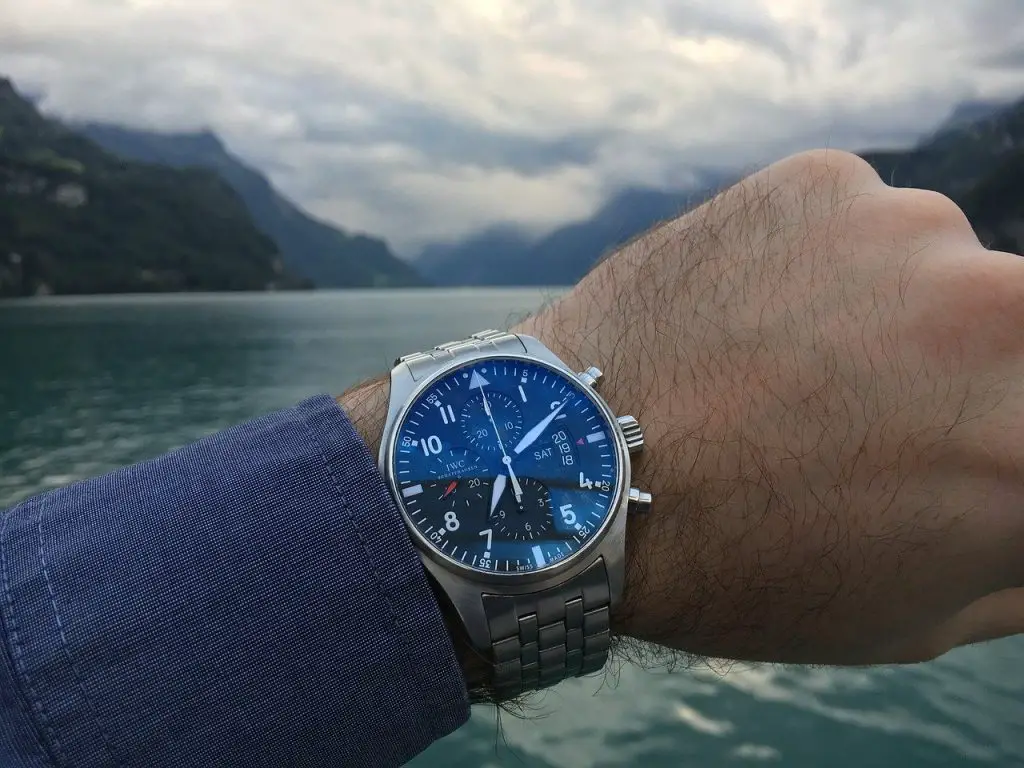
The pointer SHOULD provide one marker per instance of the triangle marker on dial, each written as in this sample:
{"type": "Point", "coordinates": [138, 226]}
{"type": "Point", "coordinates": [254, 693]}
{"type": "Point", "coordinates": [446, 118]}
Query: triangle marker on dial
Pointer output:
{"type": "Point", "coordinates": [477, 381]}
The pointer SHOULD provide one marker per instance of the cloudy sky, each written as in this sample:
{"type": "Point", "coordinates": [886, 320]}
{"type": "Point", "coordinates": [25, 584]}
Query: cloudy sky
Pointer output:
{"type": "Point", "coordinates": [425, 121]}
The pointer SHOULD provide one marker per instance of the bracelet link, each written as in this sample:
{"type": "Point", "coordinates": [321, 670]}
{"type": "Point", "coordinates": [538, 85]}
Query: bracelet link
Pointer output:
{"type": "Point", "coordinates": [540, 639]}
{"type": "Point", "coordinates": [491, 340]}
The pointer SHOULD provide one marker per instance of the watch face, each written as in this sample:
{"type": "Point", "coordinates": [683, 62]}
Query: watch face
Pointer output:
{"type": "Point", "coordinates": [505, 466]}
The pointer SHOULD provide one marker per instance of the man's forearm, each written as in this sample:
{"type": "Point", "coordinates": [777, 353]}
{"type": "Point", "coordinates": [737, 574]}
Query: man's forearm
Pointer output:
{"type": "Point", "coordinates": [240, 601]}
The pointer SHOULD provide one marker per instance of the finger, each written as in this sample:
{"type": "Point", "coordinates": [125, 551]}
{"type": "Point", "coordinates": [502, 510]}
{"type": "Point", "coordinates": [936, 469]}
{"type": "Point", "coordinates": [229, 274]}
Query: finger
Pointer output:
{"type": "Point", "coordinates": [1000, 614]}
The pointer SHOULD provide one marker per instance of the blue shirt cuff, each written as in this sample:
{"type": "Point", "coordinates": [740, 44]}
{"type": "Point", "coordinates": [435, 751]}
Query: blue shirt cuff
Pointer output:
{"type": "Point", "coordinates": [250, 599]}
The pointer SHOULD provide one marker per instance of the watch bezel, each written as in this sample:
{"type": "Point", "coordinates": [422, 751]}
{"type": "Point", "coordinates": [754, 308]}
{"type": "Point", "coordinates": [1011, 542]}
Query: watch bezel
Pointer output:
{"type": "Point", "coordinates": [616, 505]}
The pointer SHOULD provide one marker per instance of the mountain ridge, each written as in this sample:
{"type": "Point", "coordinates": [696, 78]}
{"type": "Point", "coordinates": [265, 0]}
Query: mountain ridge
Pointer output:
{"type": "Point", "coordinates": [565, 254]}
{"type": "Point", "coordinates": [972, 153]}
{"type": "Point", "coordinates": [76, 219]}
{"type": "Point", "coordinates": [326, 255]}
{"type": "Point", "coordinates": [976, 157]}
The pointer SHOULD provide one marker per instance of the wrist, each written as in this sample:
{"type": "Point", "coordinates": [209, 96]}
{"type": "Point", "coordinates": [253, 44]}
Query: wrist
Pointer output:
{"type": "Point", "coordinates": [366, 405]}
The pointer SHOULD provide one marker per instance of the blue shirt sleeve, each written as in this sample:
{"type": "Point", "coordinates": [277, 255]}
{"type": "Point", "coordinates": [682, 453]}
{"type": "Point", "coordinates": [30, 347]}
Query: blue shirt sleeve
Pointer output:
{"type": "Point", "coordinates": [252, 599]}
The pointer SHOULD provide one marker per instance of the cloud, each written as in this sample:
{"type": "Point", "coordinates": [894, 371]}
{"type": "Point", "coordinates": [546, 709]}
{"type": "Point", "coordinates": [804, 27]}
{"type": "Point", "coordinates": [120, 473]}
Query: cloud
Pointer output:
{"type": "Point", "coordinates": [431, 120]}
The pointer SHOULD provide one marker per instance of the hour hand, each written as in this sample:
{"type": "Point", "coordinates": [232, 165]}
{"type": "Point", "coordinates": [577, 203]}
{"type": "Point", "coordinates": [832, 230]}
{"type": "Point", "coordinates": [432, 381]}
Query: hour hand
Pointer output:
{"type": "Point", "coordinates": [497, 490]}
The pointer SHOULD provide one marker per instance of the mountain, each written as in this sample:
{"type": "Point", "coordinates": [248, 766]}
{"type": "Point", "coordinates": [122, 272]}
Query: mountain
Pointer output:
{"type": "Point", "coordinates": [976, 157]}
{"type": "Point", "coordinates": [968, 112]}
{"type": "Point", "coordinates": [956, 159]}
{"type": "Point", "coordinates": [472, 261]}
{"type": "Point", "coordinates": [995, 206]}
{"type": "Point", "coordinates": [317, 251]}
{"type": "Point", "coordinates": [505, 256]}
{"type": "Point", "coordinates": [980, 165]}
{"type": "Point", "coordinates": [76, 219]}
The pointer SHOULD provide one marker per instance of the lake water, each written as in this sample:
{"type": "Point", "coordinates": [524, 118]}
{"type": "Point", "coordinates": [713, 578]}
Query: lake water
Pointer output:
{"type": "Point", "coordinates": [89, 384]}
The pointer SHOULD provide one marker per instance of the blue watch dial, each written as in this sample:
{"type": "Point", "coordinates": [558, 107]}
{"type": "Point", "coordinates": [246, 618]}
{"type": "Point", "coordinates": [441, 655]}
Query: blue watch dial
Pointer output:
{"type": "Point", "coordinates": [505, 465]}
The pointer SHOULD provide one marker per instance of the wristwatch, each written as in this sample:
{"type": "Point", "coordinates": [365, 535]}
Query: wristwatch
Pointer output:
{"type": "Point", "coordinates": [513, 477]}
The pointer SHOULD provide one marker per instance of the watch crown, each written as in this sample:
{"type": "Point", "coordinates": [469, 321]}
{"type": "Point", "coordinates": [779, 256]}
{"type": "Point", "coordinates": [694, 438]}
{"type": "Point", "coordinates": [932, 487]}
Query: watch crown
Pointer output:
{"type": "Point", "coordinates": [590, 376]}
{"type": "Point", "coordinates": [639, 501]}
{"type": "Point", "coordinates": [631, 431]}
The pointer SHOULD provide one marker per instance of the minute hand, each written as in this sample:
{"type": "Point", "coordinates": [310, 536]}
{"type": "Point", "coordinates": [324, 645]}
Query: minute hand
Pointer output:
{"type": "Point", "coordinates": [531, 437]}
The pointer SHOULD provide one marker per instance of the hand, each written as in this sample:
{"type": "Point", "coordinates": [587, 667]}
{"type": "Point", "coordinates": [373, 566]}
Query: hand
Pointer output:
{"type": "Point", "coordinates": [496, 490]}
{"type": "Point", "coordinates": [505, 459]}
{"type": "Point", "coordinates": [531, 437]}
{"type": "Point", "coordinates": [830, 372]}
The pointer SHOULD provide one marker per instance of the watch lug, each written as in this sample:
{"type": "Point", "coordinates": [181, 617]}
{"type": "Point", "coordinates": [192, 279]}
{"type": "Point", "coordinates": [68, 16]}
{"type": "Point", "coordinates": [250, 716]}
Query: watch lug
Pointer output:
{"type": "Point", "coordinates": [536, 348]}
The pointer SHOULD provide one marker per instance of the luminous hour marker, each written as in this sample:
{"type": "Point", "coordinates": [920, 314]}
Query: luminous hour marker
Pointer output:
{"type": "Point", "coordinates": [538, 557]}
{"type": "Point", "coordinates": [593, 437]}
{"type": "Point", "coordinates": [412, 490]}
{"type": "Point", "coordinates": [522, 393]}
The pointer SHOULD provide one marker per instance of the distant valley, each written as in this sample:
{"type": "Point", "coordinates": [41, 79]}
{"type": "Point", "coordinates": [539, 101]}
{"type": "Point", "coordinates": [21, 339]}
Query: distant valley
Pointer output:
{"type": "Point", "coordinates": [976, 157]}
{"type": "Point", "coordinates": [505, 256]}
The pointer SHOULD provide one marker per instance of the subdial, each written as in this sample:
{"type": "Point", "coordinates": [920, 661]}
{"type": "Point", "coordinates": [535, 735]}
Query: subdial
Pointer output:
{"type": "Point", "coordinates": [462, 485]}
{"type": "Point", "coordinates": [463, 495]}
{"type": "Point", "coordinates": [526, 518]}
{"type": "Point", "coordinates": [478, 427]}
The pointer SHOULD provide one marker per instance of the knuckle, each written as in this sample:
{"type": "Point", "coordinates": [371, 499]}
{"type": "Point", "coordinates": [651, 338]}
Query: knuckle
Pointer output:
{"type": "Point", "coordinates": [837, 166]}
{"type": "Point", "coordinates": [929, 211]}
{"type": "Point", "coordinates": [913, 220]}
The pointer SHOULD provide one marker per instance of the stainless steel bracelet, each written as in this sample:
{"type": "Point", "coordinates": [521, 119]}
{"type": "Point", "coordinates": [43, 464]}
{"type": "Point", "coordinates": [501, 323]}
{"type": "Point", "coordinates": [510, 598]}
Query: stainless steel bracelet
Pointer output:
{"type": "Point", "coordinates": [541, 638]}
{"type": "Point", "coordinates": [537, 638]}
{"type": "Point", "coordinates": [484, 341]}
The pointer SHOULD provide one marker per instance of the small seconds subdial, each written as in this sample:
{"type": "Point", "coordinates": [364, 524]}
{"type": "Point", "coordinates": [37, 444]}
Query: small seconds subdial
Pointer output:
{"type": "Point", "coordinates": [462, 497]}
{"type": "Point", "coordinates": [461, 488]}
{"type": "Point", "coordinates": [462, 481]}
{"type": "Point", "coordinates": [527, 518]}
{"type": "Point", "coordinates": [478, 427]}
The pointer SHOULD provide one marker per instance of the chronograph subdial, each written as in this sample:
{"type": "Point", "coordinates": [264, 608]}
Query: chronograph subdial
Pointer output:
{"type": "Point", "coordinates": [465, 496]}
{"type": "Point", "coordinates": [478, 427]}
{"type": "Point", "coordinates": [526, 518]}
{"type": "Point", "coordinates": [461, 479]}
